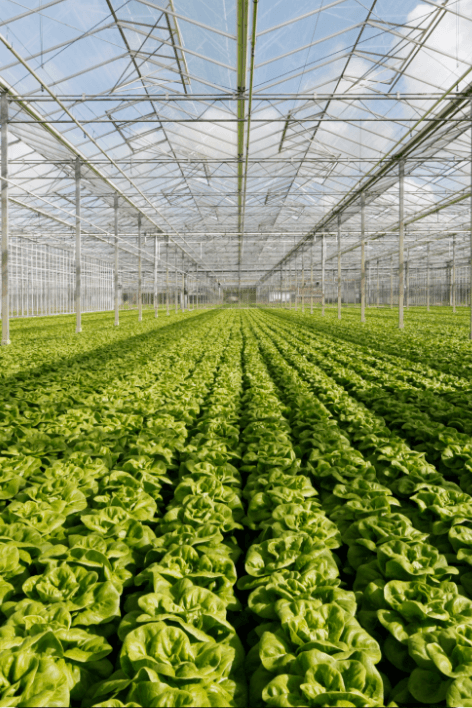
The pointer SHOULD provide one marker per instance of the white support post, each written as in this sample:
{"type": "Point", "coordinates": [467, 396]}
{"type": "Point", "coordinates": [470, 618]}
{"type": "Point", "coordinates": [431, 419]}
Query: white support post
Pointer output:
{"type": "Point", "coordinates": [407, 281]}
{"type": "Point", "coordinates": [470, 255]}
{"type": "Point", "coordinates": [303, 283]}
{"type": "Point", "coordinates": [311, 277]}
{"type": "Point", "coordinates": [378, 285]}
{"type": "Point", "coordinates": [78, 252]}
{"type": "Point", "coordinates": [197, 287]}
{"type": "Point", "coordinates": [156, 304]}
{"type": "Point", "coordinates": [322, 274]}
{"type": "Point", "coordinates": [401, 232]}
{"type": "Point", "coordinates": [4, 204]}
{"type": "Point", "coordinates": [167, 277]}
{"type": "Point", "coordinates": [289, 268]}
{"type": "Point", "coordinates": [339, 267]}
{"type": "Point", "coordinates": [140, 273]}
{"type": "Point", "coordinates": [281, 284]}
{"type": "Point", "coordinates": [453, 274]}
{"type": "Point", "coordinates": [176, 299]}
{"type": "Point", "coordinates": [391, 282]}
{"type": "Point", "coordinates": [362, 257]}
{"type": "Point", "coordinates": [116, 282]}
{"type": "Point", "coordinates": [427, 280]}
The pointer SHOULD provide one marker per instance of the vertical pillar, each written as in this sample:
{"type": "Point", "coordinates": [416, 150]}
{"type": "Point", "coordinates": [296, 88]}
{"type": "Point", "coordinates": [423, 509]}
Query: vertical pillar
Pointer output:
{"type": "Point", "coordinates": [197, 288]}
{"type": "Point", "coordinates": [175, 283]}
{"type": "Point", "coordinates": [391, 282]}
{"type": "Point", "coordinates": [322, 274]}
{"type": "Point", "coordinates": [470, 277]}
{"type": "Point", "coordinates": [78, 251]}
{"type": "Point", "coordinates": [4, 203]}
{"type": "Point", "coordinates": [303, 283]}
{"type": "Point", "coordinates": [378, 285]}
{"type": "Point", "coordinates": [116, 283]}
{"type": "Point", "coordinates": [453, 274]}
{"type": "Point", "coordinates": [401, 231]}
{"type": "Point", "coordinates": [167, 276]}
{"type": "Point", "coordinates": [427, 280]}
{"type": "Point", "coordinates": [339, 267]}
{"type": "Point", "coordinates": [182, 304]}
{"type": "Point", "coordinates": [362, 257]}
{"type": "Point", "coordinates": [281, 284]}
{"type": "Point", "coordinates": [311, 277]}
{"type": "Point", "coordinates": [140, 273]}
{"type": "Point", "coordinates": [156, 304]}
{"type": "Point", "coordinates": [407, 281]}
{"type": "Point", "coordinates": [289, 267]}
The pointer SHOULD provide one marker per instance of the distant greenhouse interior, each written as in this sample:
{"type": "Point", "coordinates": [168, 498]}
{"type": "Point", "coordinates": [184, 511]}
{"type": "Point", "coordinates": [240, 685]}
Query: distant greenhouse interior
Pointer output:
{"type": "Point", "coordinates": [182, 152]}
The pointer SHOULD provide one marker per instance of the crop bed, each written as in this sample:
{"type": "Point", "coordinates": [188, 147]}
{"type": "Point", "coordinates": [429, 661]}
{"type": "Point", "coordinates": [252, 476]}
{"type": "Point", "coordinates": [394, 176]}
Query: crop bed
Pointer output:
{"type": "Point", "coordinates": [235, 508]}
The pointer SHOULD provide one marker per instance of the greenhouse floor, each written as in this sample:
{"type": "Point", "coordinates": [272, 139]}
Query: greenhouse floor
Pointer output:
{"type": "Point", "coordinates": [232, 507]}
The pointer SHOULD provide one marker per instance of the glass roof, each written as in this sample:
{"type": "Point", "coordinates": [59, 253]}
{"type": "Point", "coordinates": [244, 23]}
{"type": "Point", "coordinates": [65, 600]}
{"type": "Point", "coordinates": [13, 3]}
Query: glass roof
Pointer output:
{"type": "Point", "coordinates": [240, 130]}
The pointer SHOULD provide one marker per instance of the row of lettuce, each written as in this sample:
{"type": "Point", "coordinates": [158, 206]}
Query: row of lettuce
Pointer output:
{"type": "Point", "coordinates": [221, 447]}
{"type": "Point", "coordinates": [83, 496]}
{"type": "Point", "coordinates": [406, 527]}
{"type": "Point", "coordinates": [437, 339]}
{"type": "Point", "coordinates": [40, 342]}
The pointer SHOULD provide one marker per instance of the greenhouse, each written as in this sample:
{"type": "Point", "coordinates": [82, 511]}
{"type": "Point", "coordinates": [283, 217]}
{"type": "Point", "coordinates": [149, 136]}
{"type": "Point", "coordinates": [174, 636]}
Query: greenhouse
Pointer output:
{"type": "Point", "coordinates": [236, 353]}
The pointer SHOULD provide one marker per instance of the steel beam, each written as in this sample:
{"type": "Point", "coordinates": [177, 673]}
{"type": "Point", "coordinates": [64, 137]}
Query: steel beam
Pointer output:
{"type": "Point", "coordinates": [242, 20]}
{"type": "Point", "coordinates": [5, 225]}
{"type": "Point", "coordinates": [323, 255]}
{"type": "Point", "coordinates": [115, 274]}
{"type": "Point", "coordinates": [140, 273]}
{"type": "Point", "coordinates": [339, 267]}
{"type": "Point", "coordinates": [401, 235]}
{"type": "Point", "coordinates": [453, 274]}
{"type": "Point", "coordinates": [78, 251]}
{"type": "Point", "coordinates": [362, 257]}
{"type": "Point", "coordinates": [427, 277]}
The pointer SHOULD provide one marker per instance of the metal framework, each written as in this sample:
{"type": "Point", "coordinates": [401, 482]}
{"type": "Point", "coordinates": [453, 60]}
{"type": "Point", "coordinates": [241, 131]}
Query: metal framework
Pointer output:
{"type": "Point", "coordinates": [203, 151]}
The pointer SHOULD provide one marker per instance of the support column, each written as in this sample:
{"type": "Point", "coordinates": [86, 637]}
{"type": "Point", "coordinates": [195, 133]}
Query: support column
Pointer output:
{"type": "Point", "coordinates": [427, 280]}
{"type": "Point", "coordinates": [378, 285]}
{"type": "Point", "coordinates": [401, 275]}
{"type": "Point", "coordinates": [117, 302]}
{"type": "Point", "coordinates": [78, 251]}
{"type": "Point", "coordinates": [4, 203]}
{"type": "Point", "coordinates": [339, 267]}
{"type": "Point", "coordinates": [362, 257]}
{"type": "Point", "coordinates": [303, 283]}
{"type": "Point", "coordinates": [453, 274]}
{"type": "Point", "coordinates": [175, 284]}
{"type": "Point", "coordinates": [407, 281]}
{"type": "Point", "coordinates": [156, 304]}
{"type": "Point", "coordinates": [281, 285]}
{"type": "Point", "coordinates": [167, 277]}
{"type": "Point", "coordinates": [197, 288]}
{"type": "Point", "coordinates": [470, 278]}
{"type": "Point", "coordinates": [140, 273]}
{"type": "Point", "coordinates": [289, 266]}
{"type": "Point", "coordinates": [311, 277]}
{"type": "Point", "coordinates": [322, 274]}
{"type": "Point", "coordinates": [391, 282]}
